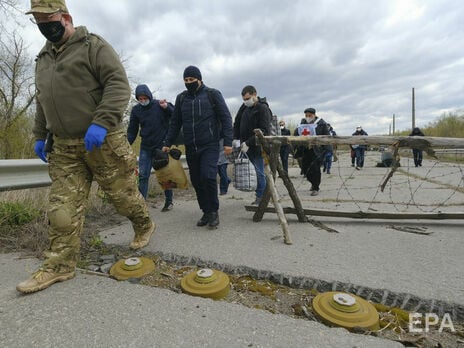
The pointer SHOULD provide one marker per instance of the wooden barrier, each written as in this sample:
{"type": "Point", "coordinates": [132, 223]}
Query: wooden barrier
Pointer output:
{"type": "Point", "coordinates": [271, 149]}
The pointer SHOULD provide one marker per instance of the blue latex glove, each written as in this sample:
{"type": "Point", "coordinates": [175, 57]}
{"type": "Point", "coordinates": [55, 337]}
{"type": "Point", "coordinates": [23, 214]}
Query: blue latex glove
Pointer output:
{"type": "Point", "coordinates": [94, 137]}
{"type": "Point", "coordinates": [39, 150]}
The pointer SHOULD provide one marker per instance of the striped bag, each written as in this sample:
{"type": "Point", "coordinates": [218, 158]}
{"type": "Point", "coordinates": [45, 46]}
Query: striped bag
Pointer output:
{"type": "Point", "coordinates": [244, 174]}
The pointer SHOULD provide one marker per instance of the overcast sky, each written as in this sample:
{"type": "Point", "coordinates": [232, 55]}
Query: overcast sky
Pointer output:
{"type": "Point", "coordinates": [355, 62]}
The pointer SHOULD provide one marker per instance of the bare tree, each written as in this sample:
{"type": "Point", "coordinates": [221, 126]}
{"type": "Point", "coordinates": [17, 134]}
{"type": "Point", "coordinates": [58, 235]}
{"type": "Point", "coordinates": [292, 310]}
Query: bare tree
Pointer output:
{"type": "Point", "coordinates": [7, 8]}
{"type": "Point", "coordinates": [17, 88]}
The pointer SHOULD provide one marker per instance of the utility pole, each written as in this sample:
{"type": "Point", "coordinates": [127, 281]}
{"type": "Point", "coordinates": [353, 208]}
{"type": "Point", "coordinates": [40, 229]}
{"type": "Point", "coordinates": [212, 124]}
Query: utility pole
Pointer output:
{"type": "Point", "coordinates": [390, 129]}
{"type": "Point", "coordinates": [393, 122]}
{"type": "Point", "coordinates": [413, 109]}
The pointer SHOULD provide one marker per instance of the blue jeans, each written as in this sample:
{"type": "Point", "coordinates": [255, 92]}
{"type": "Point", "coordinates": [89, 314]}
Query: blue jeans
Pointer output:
{"type": "Point", "coordinates": [359, 151]}
{"type": "Point", "coordinates": [417, 157]}
{"type": "Point", "coordinates": [328, 161]}
{"type": "Point", "coordinates": [145, 165]}
{"type": "Point", "coordinates": [224, 179]}
{"type": "Point", "coordinates": [258, 162]}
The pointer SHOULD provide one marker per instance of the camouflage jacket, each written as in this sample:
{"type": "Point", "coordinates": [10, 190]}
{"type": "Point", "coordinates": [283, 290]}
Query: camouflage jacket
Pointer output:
{"type": "Point", "coordinates": [79, 83]}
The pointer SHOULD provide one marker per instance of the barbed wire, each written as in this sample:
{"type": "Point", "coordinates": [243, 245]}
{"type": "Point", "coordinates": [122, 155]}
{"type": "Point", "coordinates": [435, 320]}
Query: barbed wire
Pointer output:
{"type": "Point", "coordinates": [405, 190]}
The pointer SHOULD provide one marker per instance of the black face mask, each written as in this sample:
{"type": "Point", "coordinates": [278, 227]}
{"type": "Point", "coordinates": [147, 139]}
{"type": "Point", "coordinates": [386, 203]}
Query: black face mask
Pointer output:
{"type": "Point", "coordinates": [53, 31]}
{"type": "Point", "coordinates": [192, 87]}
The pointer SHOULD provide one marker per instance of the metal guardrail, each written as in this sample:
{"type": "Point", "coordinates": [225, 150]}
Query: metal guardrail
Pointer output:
{"type": "Point", "coordinates": [449, 151]}
{"type": "Point", "coordinates": [29, 173]}
{"type": "Point", "coordinates": [22, 174]}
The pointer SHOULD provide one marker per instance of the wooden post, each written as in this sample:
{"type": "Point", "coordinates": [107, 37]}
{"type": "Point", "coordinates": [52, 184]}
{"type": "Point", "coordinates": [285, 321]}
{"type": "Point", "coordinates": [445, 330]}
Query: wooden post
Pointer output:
{"type": "Point", "coordinates": [277, 205]}
{"type": "Point", "coordinates": [273, 149]}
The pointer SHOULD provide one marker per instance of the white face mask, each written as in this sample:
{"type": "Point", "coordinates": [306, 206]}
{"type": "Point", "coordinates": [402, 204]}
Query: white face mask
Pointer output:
{"type": "Point", "coordinates": [144, 102]}
{"type": "Point", "coordinates": [310, 119]}
{"type": "Point", "coordinates": [250, 102]}
{"type": "Point", "coordinates": [282, 127]}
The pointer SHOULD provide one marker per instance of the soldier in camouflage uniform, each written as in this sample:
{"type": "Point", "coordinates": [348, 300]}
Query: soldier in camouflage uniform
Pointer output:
{"type": "Point", "coordinates": [82, 92]}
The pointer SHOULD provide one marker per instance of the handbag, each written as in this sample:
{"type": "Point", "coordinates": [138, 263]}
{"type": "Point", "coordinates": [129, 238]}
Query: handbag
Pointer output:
{"type": "Point", "coordinates": [244, 174]}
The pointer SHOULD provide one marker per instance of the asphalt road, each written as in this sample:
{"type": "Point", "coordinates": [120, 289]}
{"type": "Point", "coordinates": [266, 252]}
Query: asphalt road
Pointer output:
{"type": "Point", "coordinates": [93, 311]}
{"type": "Point", "coordinates": [418, 259]}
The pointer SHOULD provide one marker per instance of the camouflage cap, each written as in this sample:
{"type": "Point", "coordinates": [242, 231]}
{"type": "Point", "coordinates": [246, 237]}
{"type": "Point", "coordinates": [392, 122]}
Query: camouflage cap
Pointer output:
{"type": "Point", "coordinates": [47, 6]}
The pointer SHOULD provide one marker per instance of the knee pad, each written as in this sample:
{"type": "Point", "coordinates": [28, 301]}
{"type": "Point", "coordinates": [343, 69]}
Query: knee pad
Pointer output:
{"type": "Point", "coordinates": [60, 218]}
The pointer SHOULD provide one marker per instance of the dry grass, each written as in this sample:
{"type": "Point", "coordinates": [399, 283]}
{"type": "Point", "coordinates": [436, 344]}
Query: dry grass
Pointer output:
{"type": "Point", "coordinates": [31, 237]}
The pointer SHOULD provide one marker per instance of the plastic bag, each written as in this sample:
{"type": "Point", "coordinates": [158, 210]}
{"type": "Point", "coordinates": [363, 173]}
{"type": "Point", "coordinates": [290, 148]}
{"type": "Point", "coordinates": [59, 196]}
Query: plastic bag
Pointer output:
{"type": "Point", "coordinates": [172, 175]}
{"type": "Point", "coordinates": [244, 174]}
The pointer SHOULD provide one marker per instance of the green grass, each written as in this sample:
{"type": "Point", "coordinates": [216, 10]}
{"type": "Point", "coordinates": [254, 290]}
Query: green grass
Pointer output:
{"type": "Point", "coordinates": [17, 213]}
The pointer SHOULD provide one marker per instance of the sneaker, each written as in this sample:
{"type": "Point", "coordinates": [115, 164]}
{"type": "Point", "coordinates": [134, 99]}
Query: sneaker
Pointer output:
{"type": "Point", "coordinates": [143, 239]}
{"type": "Point", "coordinates": [167, 206]}
{"type": "Point", "coordinates": [314, 192]}
{"type": "Point", "coordinates": [328, 171]}
{"type": "Point", "coordinates": [257, 201]}
{"type": "Point", "coordinates": [312, 189]}
{"type": "Point", "coordinates": [213, 221]}
{"type": "Point", "coordinates": [357, 168]}
{"type": "Point", "coordinates": [42, 279]}
{"type": "Point", "coordinates": [204, 220]}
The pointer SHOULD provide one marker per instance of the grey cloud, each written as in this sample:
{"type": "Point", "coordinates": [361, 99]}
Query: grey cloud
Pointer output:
{"type": "Point", "coordinates": [352, 61]}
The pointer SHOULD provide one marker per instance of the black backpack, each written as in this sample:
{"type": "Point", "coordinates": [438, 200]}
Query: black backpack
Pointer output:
{"type": "Point", "coordinates": [210, 92]}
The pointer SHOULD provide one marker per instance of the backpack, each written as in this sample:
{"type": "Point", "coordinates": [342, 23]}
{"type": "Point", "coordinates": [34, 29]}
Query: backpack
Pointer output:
{"type": "Point", "coordinates": [210, 98]}
{"type": "Point", "coordinates": [274, 129]}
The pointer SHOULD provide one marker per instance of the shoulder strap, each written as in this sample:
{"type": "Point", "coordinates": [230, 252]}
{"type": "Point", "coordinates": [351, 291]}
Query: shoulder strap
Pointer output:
{"type": "Point", "coordinates": [182, 97]}
{"type": "Point", "coordinates": [212, 100]}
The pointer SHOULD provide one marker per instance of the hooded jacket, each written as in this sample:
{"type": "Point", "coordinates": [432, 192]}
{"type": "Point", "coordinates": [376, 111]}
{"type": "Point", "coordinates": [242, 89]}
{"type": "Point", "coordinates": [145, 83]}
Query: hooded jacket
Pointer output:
{"type": "Point", "coordinates": [152, 121]}
{"type": "Point", "coordinates": [79, 83]}
{"type": "Point", "coordinates": [201, 122]}
{"type": "Point", "coordinates": [416, 132]}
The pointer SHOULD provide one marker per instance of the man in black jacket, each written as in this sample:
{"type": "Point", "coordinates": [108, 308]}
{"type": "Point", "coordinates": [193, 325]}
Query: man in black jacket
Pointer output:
{"type": "Point", "coordinates": [312, 157]}
{"type": "Point", "coordinates": [285, 147]}
{"type": "Point", "coordinates": [252, 115]}
{"type": "Point", "coordinates": [359, 150]}
{"type": "Point", "coordinates": [203, 121]}
{"type": "Point", "coordinates": [417, 153]}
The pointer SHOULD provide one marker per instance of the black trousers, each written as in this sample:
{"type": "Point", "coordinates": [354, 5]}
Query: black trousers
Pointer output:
{"type": "Point", "coordinates": [311, 166]}
{"type": "Point", "coordinates": [284, 152]}
{"type": "Point", "coordinates": [202, 162]}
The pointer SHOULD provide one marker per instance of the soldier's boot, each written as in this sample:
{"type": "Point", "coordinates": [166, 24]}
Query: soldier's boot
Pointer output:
{"type": "Point", "coordinates": [42, 279]}
{"type": "Point", "coordinates": [143, 239]}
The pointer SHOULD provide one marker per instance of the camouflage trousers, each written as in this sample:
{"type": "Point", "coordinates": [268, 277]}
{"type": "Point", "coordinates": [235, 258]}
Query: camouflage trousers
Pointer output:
{"type": "Point", "coordinates": [72, 170]}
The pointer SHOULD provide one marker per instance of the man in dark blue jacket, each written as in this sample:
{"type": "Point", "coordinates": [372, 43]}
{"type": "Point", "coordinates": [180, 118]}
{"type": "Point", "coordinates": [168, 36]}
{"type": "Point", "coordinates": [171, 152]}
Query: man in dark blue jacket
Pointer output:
{"type": "Point", "coordinates": [359, 150]}
{"type": "Point", "coordinates": [203, 114]}
{"type": "Point", "coordinates": [151, 116]}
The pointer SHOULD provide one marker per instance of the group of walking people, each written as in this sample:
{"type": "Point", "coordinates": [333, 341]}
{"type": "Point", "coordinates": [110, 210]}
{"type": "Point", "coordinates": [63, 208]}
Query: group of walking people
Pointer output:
{"type": "Point", "coordinates": [82, 94]}
{"type": "Point", "coordinates": [80, 133]}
